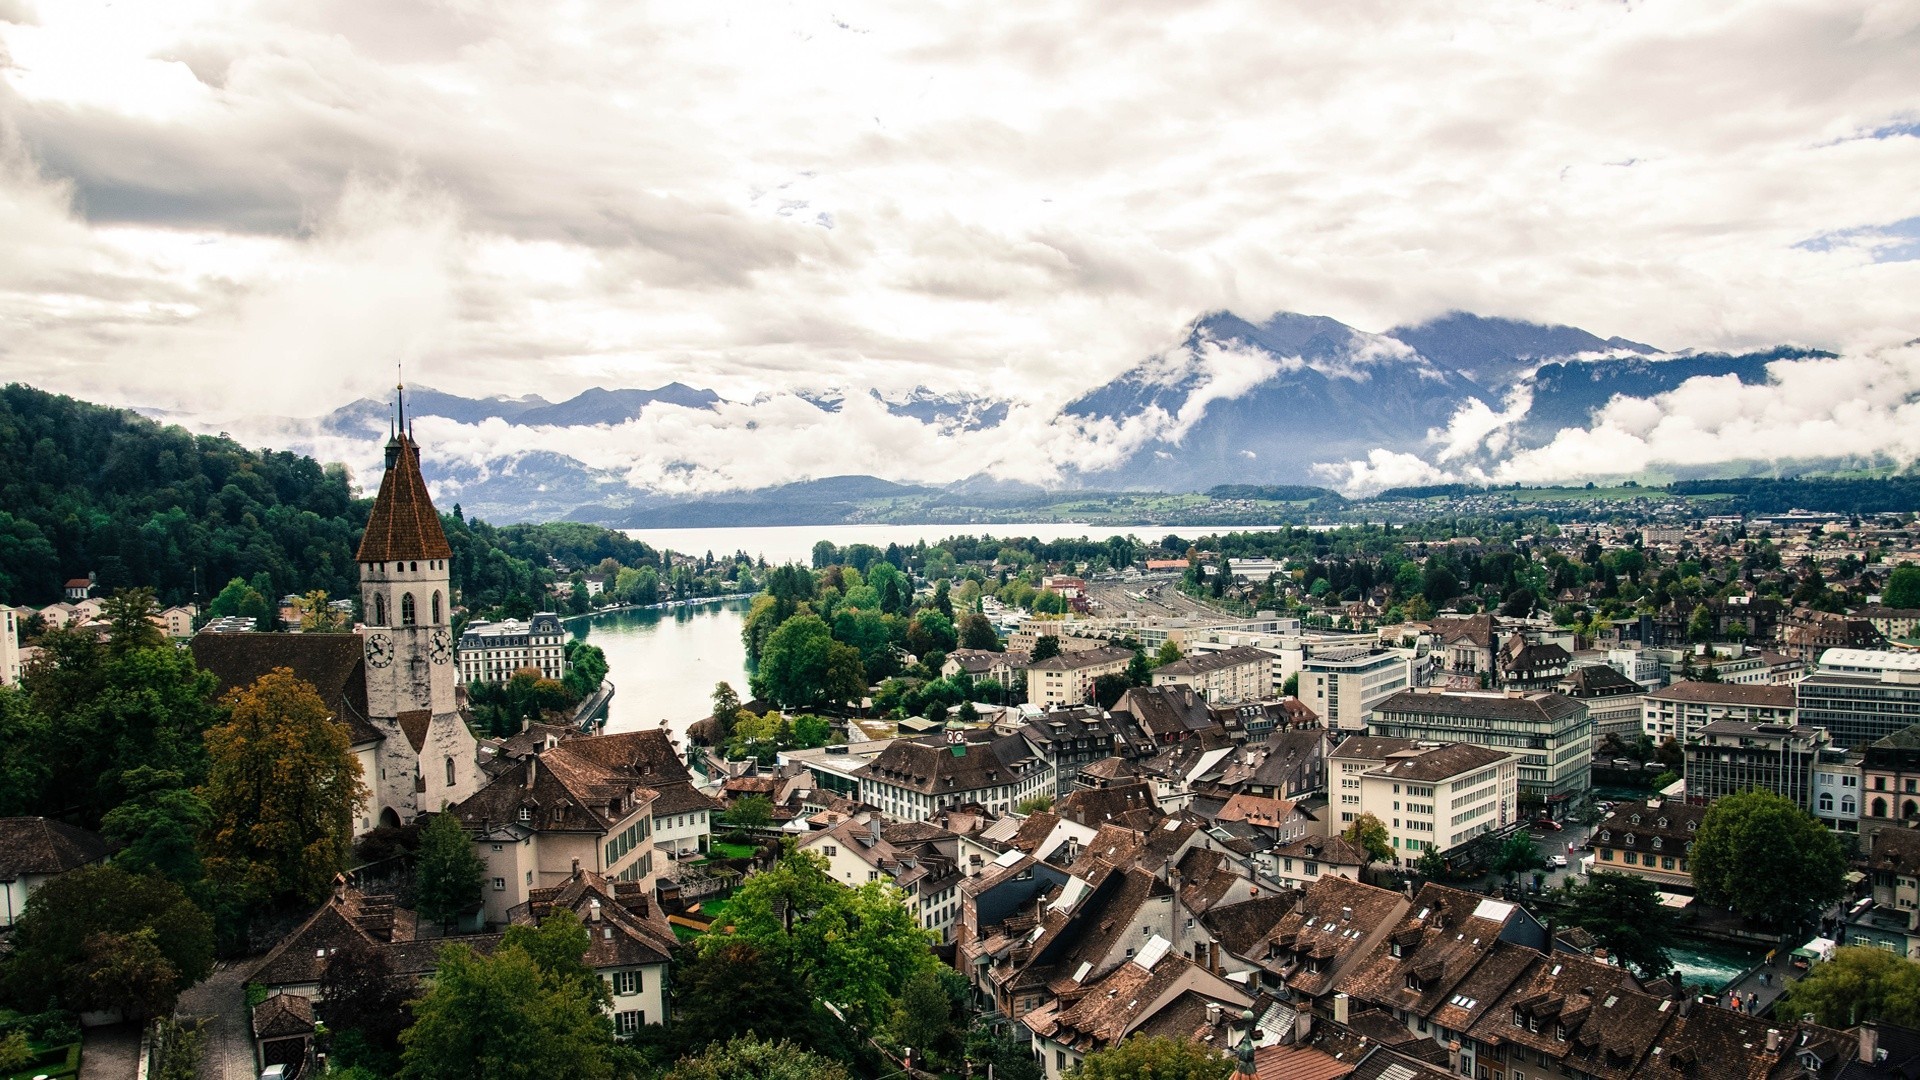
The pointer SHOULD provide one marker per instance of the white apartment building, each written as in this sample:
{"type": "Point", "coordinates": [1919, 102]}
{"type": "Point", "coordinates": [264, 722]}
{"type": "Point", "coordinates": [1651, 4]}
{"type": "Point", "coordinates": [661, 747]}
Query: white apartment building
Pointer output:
{"type": "Point", "coordinates": [1067, 679]}
{"type": "Point", "coordinates": [1551, 734]}
{"type": "Point", "coordinates": [491, 652]}
{"type": "Point", "coordinates": [1430, 796]}
{"type": "Point", "coordinates": [1836, 789]}
{"type": "Point", "coordinates": [1344, 684]}
{"type": "Point", "coordinates": [926, 873]}
{"type": "Point", "coordinates": [1226, 677]}
{"type": "Point", "coordinates": [1681, 710]}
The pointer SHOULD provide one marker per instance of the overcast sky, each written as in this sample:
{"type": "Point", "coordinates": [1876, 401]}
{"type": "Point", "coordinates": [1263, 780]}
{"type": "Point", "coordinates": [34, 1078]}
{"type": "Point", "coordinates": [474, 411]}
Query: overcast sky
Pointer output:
{"type": "Point", "coordinates": [223, 206]}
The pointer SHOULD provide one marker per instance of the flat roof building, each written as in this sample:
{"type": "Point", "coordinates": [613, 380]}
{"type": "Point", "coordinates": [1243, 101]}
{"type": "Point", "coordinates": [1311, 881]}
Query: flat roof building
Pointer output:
{"type": "Point", "coordinates": [1551, 734]}
{"type": "Point", "coordinates": [1860, 695]}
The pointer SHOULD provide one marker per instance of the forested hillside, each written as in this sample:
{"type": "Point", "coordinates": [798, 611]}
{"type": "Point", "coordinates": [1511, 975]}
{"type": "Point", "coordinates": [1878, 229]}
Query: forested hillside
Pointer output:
{"type": "Point", "coordinates": [89, 489]}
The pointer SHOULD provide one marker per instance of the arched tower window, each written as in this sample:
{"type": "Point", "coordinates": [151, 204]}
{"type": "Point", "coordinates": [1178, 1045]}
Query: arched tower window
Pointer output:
{"type": "Point", "coordinates": [379, 609]}
{"type": "Point", "coordinates": [406, 609]}
{"type": "Point", "coordinates": [436, 607]}
{"type": "Point", "coordinates": [450, 780]}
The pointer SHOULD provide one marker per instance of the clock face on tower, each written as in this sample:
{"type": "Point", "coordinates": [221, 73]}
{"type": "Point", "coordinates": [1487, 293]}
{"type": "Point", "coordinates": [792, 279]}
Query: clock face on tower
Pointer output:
{"type": "Point", "coordinates": [440, 648]}
{"type": "Point", "coordinates": [379, 650]}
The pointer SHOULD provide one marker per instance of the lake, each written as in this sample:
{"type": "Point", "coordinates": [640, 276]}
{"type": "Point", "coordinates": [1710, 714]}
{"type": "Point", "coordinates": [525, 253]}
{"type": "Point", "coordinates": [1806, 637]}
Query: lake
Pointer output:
{"type": "Point", "coordinates": [794, 543]}
{"type": "Point", "coordinates": [663, 664]}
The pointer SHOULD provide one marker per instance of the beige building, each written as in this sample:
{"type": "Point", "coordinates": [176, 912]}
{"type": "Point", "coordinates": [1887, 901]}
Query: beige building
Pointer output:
{"type": "Point", "coordinates": [1652, 840]}
{"type": "Point", "coordinates": [1430, 796]}
{"type": "Point", "coordinates": [1067, 679]}
{"type": "Point", "coordinates": [1679, 711]}
{"type": "Point", "coordinates": [1226, 677]}
{"type": "Point", "coordinates": [9, 647]}
{"type": "Point", "coordinates": [1344, 684]}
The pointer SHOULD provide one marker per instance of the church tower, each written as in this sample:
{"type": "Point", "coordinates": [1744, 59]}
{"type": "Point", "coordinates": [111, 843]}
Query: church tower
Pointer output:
{"type": "Point", "coordinates": [428, 757]}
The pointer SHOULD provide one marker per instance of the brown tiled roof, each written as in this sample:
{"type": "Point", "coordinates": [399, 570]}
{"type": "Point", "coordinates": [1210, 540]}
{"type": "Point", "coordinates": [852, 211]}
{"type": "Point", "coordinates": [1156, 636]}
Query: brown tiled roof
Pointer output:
{"type": "Point", "coordinates": [1334, 850]}
{"type": "Point", "coordinates": [333, 663]}
{"type": "Point", "coordinates": [403, 524]}
{"type": "Point", "coordinates": [1166, 710]}
{"type": "Point", "coordinates": [1282, 1062]}
{"type": "Point", "coordinates": [301, 956]}
{"type": "Point", "coordinates": [283, 1016]}
{"type": "Point", "coordinates": [1597, 680]}
{"type": "Point", "coordinates": [1371, 747]}
{"type": "Point", "coordinates": [1896, 850]}
{"type": "Point", "coordinates": [1474, 629]}
{"type": "Point", "coordinates": [1081, 658]}
{"type": "Point", "coordinates": [639, 931]}
{"type": "Point", "coordinates": [1318, 941]}
{"type": "Point", "coordinates": [936, 769]}
{"type": "Point", "coordinates": [1201, 663]}
{"type": "Point", "coordinates": [1257, 810]}
{"type": "Point", "coordinates": [1619, 829]}
{"type": "Point", "coordinates": [37, 845]}
{"type": "Point", "coordinates": [1240, 927]}
{"type": "Point", "coordinates": [1536, 706]}
{"type": "Point", "coordinates": [415, 722]}
{"type": "Point", "coordinates": [1751, 694]}
{"type": "Point", "coordinates": [1093, 807]}
{"type": "Point", "coordinates": [1441, 762]}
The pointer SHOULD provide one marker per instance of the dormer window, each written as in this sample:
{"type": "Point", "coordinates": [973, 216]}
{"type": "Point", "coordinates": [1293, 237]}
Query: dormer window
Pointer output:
{"type": "Point", "coordinates": [1634, 820]}
{"type": "Point", "coordinates": [1663, 823]}
{"type": "Point", "coordinates": [526, 813]}
{"type": "Point", "coordinates": [1606, 834]}
{"type": "Point", "coordinates": [1692, 825]}
{"type": "Point", "coordinates": [1413, 982]}
{"type": "Point", "coordinates": [1656, 843]}
{"type": "Point", "coordinates": [1519, 1019]}
{"type": "Point", "coordinates": [1629, 839]}
{"type": "Point", "coordinates": [1397, 950]}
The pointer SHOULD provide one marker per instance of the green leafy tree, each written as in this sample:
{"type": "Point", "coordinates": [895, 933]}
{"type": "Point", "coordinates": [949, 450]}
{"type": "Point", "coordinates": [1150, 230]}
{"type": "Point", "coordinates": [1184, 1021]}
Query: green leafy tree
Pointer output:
{"type": "Point", "coordinates": [1291, 688]}
{"type": "Point", "coordinates": [726, 706]}
{"type": "Point", "coordinates": [750, 1059]}
{"type": "Point", "coordinates": [1701, 625]}
{"type": "Point", "coordinates": [1766, 858]}
{"type": "Point", "coordinates": [1139, 672]}
{"type": "Point", "coordinates": [1155, 1058]}
{"type": "Point", "coordinates": [502, 1017]}
{"type": "Point", "coordinates": [923, 1018]}
{"type": "Point", "coordinates": [447, 873]}
{"type": "Point", "coordinates": [853, 947]}
{"type": "Point", "coordinates": [100, 937]}
{"type": "Point", "coordinates": [283, 786]}
{"type": "Point", "coordinates": [732, 990]}
{"type": "Point", "coordinates": [158, 828]}
{"type": "Point", "coordinates": [1169, 652]}
{"type": "Point", "coordinates": [1109, 689]}
{"type": "Point", "coordinates": [1371, 834]}
{"type": "Point", "coordinates": [1045, 647]}
{"type": "Point", "coordinates": [1010, 1057]}
{"type": "Point", "coordinates": [16, 1053]}
{"type": "Point", "coordinates": [750, 812]}
{"type": "Point", "coordinates": [240, 599]}
{"type": "Point", "coordinates": [1517, 855]}
{"type": "Point", "coordinates": [1903, 588]}
{"type": "Point", "coordinates": [1859, 983]}
{"type": "Point", "coordinates": [976, 632]}
{"type": "Point", "coordinates": [802, 665]}
{"type": "Point", "coordinates": [1624, 914]}
{"type": "Point", "coordinates": [558, 946]}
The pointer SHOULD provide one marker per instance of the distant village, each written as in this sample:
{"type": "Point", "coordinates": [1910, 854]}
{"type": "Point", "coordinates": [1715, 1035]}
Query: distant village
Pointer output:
{"type": "Point", "coordinates": [1291, 844]}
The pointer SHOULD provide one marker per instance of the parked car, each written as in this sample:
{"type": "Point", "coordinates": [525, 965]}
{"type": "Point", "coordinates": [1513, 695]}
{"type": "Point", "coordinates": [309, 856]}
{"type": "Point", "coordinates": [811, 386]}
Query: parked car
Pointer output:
{"type": "Point", "coordinates": [1545, 824]}
{"type": "Point", "coordinates": [1557, 862]}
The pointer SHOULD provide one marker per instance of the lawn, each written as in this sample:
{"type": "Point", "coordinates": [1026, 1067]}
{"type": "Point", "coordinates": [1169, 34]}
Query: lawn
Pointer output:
{"type": "Point", "coordinates": [719, 850]}
{"type": "Point", "coordinates": [54, 1062]}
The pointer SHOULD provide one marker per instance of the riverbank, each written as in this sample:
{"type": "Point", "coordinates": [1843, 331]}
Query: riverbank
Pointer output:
{"type": "Point", "coordinates": [664, 605]}
{"type": "Point", "coordinates": [666, 658]}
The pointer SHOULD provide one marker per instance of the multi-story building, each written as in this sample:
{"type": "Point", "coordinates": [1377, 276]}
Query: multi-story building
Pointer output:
{"type": "Point", "coordinates": [1071, 739]}
{"type": "Point", "coordinates": [1067, 679]}
{"type": "Point", "coordinates": [1730, 756]}
{"type": "Point", "coordinates": [984, 664]}
{"type": "Point", "coordinates": [1430, 796]}
{"type": "Point", "coordinates": [1344, 684]}
{"type": "Point", "coordinates": [1836, 788]}
{"type": "Point", "coordinates": [1652, 840]}
{"type": "Point", "coordinates": [1226, 677]}
{"type": "Point", "coordinates": [1612, 700]}
{"type": "Point", "coordinates": [918, 859]}
{"type": "Point", "coordinates": [9, 647]}
{"type": "Point", "coordinates": [1678, 712]}
{"type": "Point", "coordinates": [1890, 779]}
{"type": "Point", "coordinates": [1550, 733]}
{"type": "Point", "coordinates": [1805, 633]}
{"type": "Point", "coordinates": [1638, 665]}
{"type": "Point", "coordinates": [491, 652]}
{"type": "Point", "coordinates": [1861, 695]}
{"type": "Point", "coordinates": [914, 779]}
{"type": "Point", "coordinates": [1894, 624]}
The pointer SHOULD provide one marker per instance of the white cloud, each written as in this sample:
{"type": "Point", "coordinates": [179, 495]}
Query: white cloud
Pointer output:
{"type": "Point", "coordinates": [225, 205]}
{"type": "Point", "coordinates": [1381, 469]}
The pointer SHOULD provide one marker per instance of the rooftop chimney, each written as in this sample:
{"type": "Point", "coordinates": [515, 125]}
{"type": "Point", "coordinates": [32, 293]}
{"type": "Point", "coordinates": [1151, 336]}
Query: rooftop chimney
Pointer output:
{"type": "Point", "coordinates": [1213, 1014]}
{"type": "Point", "coordinates": [1869, 1043]}
{"type": "Point", "coordinates": [576, 868]}
{"type": "Point", "coordinates": [1340, 1004]}
{"type": "Point", "coordinates": [1773, 1040]}
{"type": "Point", "coordinates": [533, 769]}
{"type": "Point", "coordinates": [593, 912]}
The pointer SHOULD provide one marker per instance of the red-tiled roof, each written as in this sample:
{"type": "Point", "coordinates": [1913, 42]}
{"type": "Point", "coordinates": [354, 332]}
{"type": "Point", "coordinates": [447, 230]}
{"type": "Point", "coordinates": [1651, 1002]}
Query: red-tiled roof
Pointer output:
{"type": "Point", "coordinates": [403, 524]}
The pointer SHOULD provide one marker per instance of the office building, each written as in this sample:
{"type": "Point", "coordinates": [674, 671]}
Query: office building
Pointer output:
{"type": "Point", "coordinates": [1861, 695]}
{"type": "Point", "coordinates": [1344, 684]}
{"type": "Point", "coordinates": [1550, 734]}
{"type": "Point", "coordinates": [1729, 756]}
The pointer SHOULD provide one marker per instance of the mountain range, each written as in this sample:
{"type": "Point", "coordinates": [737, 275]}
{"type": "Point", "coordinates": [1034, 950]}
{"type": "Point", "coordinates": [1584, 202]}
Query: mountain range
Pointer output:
{"type": "Point", "coordinates": [1238, 402]}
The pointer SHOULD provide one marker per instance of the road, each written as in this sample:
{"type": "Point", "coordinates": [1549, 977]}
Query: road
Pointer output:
{"type": "Point", "coordinates": [221, 1000]}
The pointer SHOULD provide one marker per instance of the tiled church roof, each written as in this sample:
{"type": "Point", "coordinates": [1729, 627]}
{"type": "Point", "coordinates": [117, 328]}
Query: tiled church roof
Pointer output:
{"type": "Point", "coordinates": [403, 524]}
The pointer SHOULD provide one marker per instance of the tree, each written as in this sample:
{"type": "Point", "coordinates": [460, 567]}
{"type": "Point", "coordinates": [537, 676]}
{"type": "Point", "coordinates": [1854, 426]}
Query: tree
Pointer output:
{"type": "Point", "coordinates": [1859, 983]}
{"type": "Point", "coordinates": [923, 1018]}
{"type": "Point", "coordinates": [1139, 672]}
{"type": "Point", "coordinates": [1009, 1057]}
{"type": "Point", "coordinates": [317, 615]}
{"type": "Point", "coordinates": [1701, 624]}
{"type": "Point", "coordinates": [1432, 864]}
{"type": "Point", "coordinates": [733, 990]}
{"type": "Point", "coordinates": [1045, 647]}
{"type": "Point", "coordinates": [726, 703]}
{"type": "Point", "coordinates": [1108, 690]}
{"type": "Point", "coordinates": [240, 599]}
{"type": "Point", "coordinates": [1767, 858]}
{"type": "Point", "coordinates": [1291, 688]}
{"type": "Point", "coordinates": [558, 946]}
{"type": "Point", "coordinates": [283, 786]}
{"type": "Point", "coordinates": [1516, 856]}
{"type": "Point", "coordinates": [750, 1059]}
{"type": "Point", "coordinates": [1519, 604]}
{"type": "Point", "coordinates": [1624, 914]}
{"type": "Point", "coordinates": [855, 948]}
{"type": "Point", "coordinates": [750, 812]}
{"type": "Point", "coordinates": [1033, 803]}
{"type": "Point", "coordinates": [1903, 587]}
{"type": "Point", "coordinates": [361, 993]}
{"type": "Point", "coordinates": [1371, 834]}
{"type": "Point", "coordinates": [1169, 653]}
{"type": "Point", "coordinates": [102, 938]}
{"type": "Point", "coordinates": [158, 827]}
{"type": "Point", "coordinates": [802, 665]}
{"type": "Point", "coordinates": [976, 632]}
{"type": "Point", "coordinates": [448, 874]}
{"type": "Point", "coordinates": [502, 1017]}
{"type": "Point", "coordinates": [1155, 1058]}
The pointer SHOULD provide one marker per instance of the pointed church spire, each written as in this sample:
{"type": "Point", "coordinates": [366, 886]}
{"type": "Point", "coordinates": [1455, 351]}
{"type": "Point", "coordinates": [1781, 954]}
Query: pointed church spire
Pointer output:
{"type": "Point", "coordinates": [403, 524]}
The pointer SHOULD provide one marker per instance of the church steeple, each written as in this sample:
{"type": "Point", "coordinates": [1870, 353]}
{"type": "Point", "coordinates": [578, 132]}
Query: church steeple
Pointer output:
{"type": "Point", "coordinates": [403, 524]}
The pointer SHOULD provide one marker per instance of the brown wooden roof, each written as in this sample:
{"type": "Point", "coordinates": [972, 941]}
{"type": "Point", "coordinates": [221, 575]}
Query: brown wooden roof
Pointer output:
{"type": "Point", "coordinates": [403, 524]}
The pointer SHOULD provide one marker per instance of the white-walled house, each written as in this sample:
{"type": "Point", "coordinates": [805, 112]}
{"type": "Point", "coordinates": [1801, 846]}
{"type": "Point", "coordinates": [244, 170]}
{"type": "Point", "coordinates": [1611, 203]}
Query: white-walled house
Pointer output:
{"type": "Point", "coordinates": [34, 851]}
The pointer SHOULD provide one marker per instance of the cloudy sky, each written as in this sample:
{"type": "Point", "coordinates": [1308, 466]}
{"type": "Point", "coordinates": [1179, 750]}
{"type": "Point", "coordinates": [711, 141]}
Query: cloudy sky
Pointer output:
{"type": "Point", "coordinates": [226, 207]}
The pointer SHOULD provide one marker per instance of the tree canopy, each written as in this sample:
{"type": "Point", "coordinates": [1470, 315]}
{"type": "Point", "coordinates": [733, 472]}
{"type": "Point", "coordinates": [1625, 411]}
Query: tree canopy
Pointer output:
{"type": "Point", "coordinates": [447, 873]}
{"type": "Point", "coordinates": [1371, 833]}
{"type": "Point", "coordinates": [1859, 983]}
{"type": "Point", "coordinates": [1155, 1058]}
{"type": "Point", "coordinates": [101, 938]}
{"type": "Point", "coordinates": [1624, 914]}
{"type": "Point", "coordinates": [747, 1058]}
{"type": "Point", "coordinates": [1766, 858]}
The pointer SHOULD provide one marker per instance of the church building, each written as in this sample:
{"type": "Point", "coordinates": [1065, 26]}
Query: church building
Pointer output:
{"type": "Point", "coordinates": [393, 683]}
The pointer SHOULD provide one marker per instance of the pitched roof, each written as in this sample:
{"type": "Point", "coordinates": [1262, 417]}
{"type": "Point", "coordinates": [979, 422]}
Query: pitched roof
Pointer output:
{"type": "Point", "coordinates": [1761, 694]}
{"type": "Point", "coordinates": [333, 663]}
{"type": "Point", "coordinates": [1082, 658]}
{"type": "Point", "coordinates": [1441, 762]}
{"type": "Point", "coordinates": [1537, 706]}
{"type": "Point", "coordinates": [1597, 680]}
{"type": "Point", "coordinates": [283, 1016]}
{"type": "Point", "coordinates": [625, 927]}
{"type": "Point", "coordinates": [37, 845]}
{"type": "Point", "coordinates": [1201, 663]}
{"type": "Point", "coordinates": [403, 524]}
